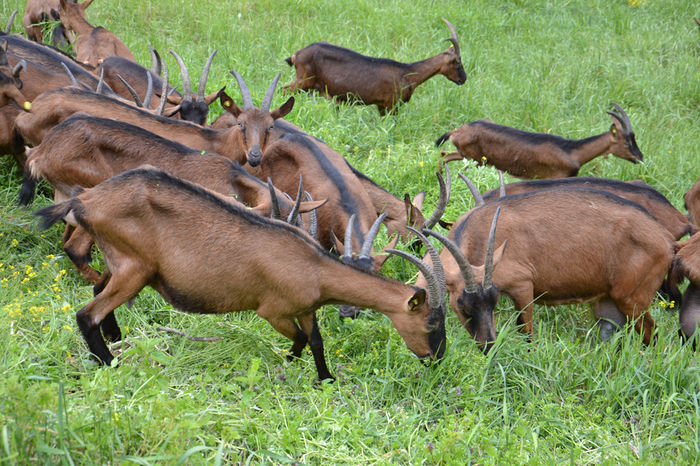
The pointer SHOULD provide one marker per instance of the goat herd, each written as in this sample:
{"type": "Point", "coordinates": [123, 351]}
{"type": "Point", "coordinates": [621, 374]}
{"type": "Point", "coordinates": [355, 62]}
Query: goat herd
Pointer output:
{"type": "Point", "coordinates": [136, 170]}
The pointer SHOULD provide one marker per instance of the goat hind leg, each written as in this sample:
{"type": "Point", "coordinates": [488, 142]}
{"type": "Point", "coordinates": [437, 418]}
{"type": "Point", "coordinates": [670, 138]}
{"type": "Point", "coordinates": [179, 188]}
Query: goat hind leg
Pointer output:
{"type": "Point", "coordinates": [610, 319]}
{"type": "Point", "coordinates": [310, 326]}
{"type": "Point", "coordinates": [77, 247]}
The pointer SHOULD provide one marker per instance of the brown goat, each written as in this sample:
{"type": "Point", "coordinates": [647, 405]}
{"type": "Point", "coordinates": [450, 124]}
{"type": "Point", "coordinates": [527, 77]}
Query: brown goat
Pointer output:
{"type": "Point", "coordinates": [93, 44]}
{"type": "Point", "coordinates": [637, 191]}
{"type": "Point", "coordinates": [692, 203]}
{"type": "Point", "coordinates": [84, 151]}
{"type": "Point", "coordinates": [687, 263]}
{"type": "Point", "coordinates": [339, 72]}
{"type": "Point", "coordinates": [539, 155]}
{"type": "Point", "coordinates": [38, 12]}
{"type": "Point", "coordinates": [157, 230]}
{"type": "Point", "coordinates": [564, 246]}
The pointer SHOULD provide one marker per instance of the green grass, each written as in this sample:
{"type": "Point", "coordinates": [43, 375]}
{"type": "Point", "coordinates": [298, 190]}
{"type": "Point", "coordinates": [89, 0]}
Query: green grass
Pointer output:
{"type": "Point", "coordinates": [537, 65]}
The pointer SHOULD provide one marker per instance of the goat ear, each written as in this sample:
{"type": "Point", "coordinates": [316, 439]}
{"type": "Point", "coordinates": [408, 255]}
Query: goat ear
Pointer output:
{"type": "Point", "coordinates": [308, 206]}
{"type": "Point", "coordinates": [378, 260]}
{"type": "Point", "coordinates": [85, 4]}
{"type": "Point", "coordinates": [213, 96]}
{"type": "Point", "coordinates": [416, 300]}
{"type": "Point", "coordinates": [616, 129]}
{"type": "Point", "coordinates": [284, 109]}
{"type": "Point", "coordinates": [498, 253]}
{"type": "Point", "coordinates": [445, 225]}
{"type": "Point", "coordinates": [228, 104]}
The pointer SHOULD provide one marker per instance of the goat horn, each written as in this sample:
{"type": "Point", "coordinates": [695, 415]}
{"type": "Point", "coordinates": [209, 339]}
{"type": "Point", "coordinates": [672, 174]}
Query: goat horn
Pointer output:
{"type": "Point", "coordinates": [245, 93]}
{"type": "Point", "coordinates": [435, 287]}
{"type": "Point", "coordinates": [20, 66]}
{"type": "Point", "coordinates": [292, 218]}
{"type": "Point", "coordinates": [622, 117]}
{"type": "Point", "coordinates": [155, 61]}
{"type": "Point", "coordinates": [186, 89]}
{"type": "Point", "coordinates": [478, 198]}
{"type": "Point", "coordinates": [371, 235]}
{"type": "Point", "coordinates": [267, 101]}
{"type": "Point", "coordinates": [313, 218]}
{"type": "Point", "coordinates": [163, 91]}
{"type": "Point", "coordinates": [101, 82]}
{"type": "Point", "coordinates": [8, 28]}
{"type": "Point", "coordinates": [73, 81]}
{"type": "Point", "coordinates": [462, 261]}
{"type": "Point", "coordinates": [488, 261]}
{"type": "Point", "coordinates": [502, 189]}
{"type": "Point", "coordinates": [445, 189]}
{"type": "Point", "coordinates": [435, 259]}
{"type": "Point", "coordinates": [3, 53]}
{"type": "Point", "coordinates": [274, 202]}
{"type": "Point", "coordinates": [149, 90]}
{"type": "Point", "coordinates": [134, 95]}
{"type": "Point", "coordinates": [453, 39]}
{"type": "Point", "coordinates": [347, 245]}
{"type": "Point", "coordinates": [203, 78]}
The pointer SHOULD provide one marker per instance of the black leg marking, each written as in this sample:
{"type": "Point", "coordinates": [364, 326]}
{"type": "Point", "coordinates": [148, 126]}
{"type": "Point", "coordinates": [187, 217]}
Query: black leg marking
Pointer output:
{"type": "Point", "coordinates": [316, 344]}
{"type": "Point", "coordinates": [93, 338]}
{"type": "Point", "coordinates": [110, 328]}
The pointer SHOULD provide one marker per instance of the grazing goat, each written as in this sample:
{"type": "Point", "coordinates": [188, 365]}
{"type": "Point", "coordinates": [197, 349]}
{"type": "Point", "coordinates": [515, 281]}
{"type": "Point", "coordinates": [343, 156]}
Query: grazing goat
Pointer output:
{"type": "Point", "coordinates": [687, 264]}
{"type": "Point", "coordinates": [564, 246]}
{"type": "Point", "coordinates": [157, 230]}
{"type": "Point", "coordinates": [692, 203]}
{"type": "Point", "coordinates": [339, 72]}
{"type": "Point", "coordinates": [38, 12]}
{"type": "Point", "coordinates": [637, 191]}
{"type": "Point", "coordinates": [93, 44]}
{"type": "Point", "coordinates": [538, 155]}
{"type": "Point", "coordinates": [84, 151]}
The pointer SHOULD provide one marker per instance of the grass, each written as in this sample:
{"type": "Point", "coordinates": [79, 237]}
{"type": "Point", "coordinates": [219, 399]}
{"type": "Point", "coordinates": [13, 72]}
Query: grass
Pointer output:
{"type": "Point", "coordinates": [537, 65]}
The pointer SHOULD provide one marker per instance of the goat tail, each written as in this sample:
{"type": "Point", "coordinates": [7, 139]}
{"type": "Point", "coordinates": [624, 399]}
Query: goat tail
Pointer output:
{"type": "Point", "coordinates": [54, 213]}
{"type": "Point", "coordinates": [28, 190]}
{"type": "Point", "coordinates": [442, 139]}
{"type": "Point", "coordinates": [290, 60]}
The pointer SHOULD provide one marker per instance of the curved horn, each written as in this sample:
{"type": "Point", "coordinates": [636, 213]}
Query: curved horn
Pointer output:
{"type": "Point", "coordinates": [478, 198]}
{"type": "Point", "coordinates": [453, 39]}
{"type": "Point", "coordinates": [245, 93]}
{"type": "Point", "coordinates": [435, 287]}
{"type": "Point", "coordinates": [313, 218]}
{"type": "Point", "coordinates": [347, 245]}
{"type": "Point", "coordinates": [101, 82]}
{"type": "Point", "coordinates": [155, 61]}
{"type": "Point", "coordinates": [186, 89]}
{"type": "Point", "coordinates": [3, 53]}
{"type": "Point", "coordinates": [20, 66]}
{"type": "Point", "coordinates": [445, 188]}
{"type": "Point", "coordinates": [488, 261]}
{"type": "Point", "coordinates": [371, 235]}
{"type": "Point", "coordinates": [134, 95]}
{"type": "Point", "coordinates": [267, 101]}
{"type": "Point", "coordinates": [274, 202]}
{"type": "Point", "coordinates": [292, 218]}
{"type": "Point", "coordinates": [465, 267]}
{"type": "Point", "coordinates": [149, 90]}
{"type": "Point", "coordinates": [502, 189]}
{"type": "Point", "coordinates": [73, 81]}
{"type": "Point", "coordinates": [203, 78]}
{"type": "Point", "coordinates": [8, 28]}
{"type": "Point", "coordinates": [437, 263]}
{"type": "Point", "coordinates": [622, 117]}
{"type": "Point", "coordinates": [163, 91]}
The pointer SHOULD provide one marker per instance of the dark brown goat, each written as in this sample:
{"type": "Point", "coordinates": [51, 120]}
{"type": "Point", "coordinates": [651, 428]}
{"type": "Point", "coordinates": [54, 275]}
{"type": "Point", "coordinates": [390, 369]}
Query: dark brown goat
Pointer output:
{"type": "Point", "coordinates": [84, 151]}
{"type": "Point", "coordinates": [564, 246]}
{"type": "Point", "coordinates": [637, 191]}
{"type": "Point", "coordinates": [338, 72]}
{"type": "Point", "coordinates": [692, 203]}
{"type": "Point", "coordinates": [93, 44]}
{"type": "Point", "coordinates": [38, 12]}
{"type": "Point", "coordinates": [538, 155]}
{"type": "Point", "coordinates": [159, 231]}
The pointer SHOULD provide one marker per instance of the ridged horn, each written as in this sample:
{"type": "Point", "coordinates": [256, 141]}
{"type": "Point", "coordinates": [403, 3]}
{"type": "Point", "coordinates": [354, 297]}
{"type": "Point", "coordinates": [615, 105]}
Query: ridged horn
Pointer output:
{"type": "Point", "coordinates": [347, 244]}
{"type": "Point", "coordinates": [245, 93]}
{"type": "Point", "coordinates": [203, 78]}
{"type": "Point", "coordinates": [445, 189]}
{"type": "Point", "coordinates": [622, 117]}
{"type": "Point", "coordinates": [453, 39]}
{"type": "Point", "coordinates": [132, 91]}
{"type": "Point", "coordinates": [478, 198]}
{"type": "Point", "coordinates": [371, 235]}
{"type": "Point", "coordinates": [73, 81]}
{"type": "Point", "coordinates": [488, 261]}
{"type": "Point", "coordinates": [267, 101]}
{"type": "Point", "coordinates": [292, 218]}
{"type": "Point", "coordinates": [465, 267]}
{"type": "Point", "coordinates": [275, 212]}
{"type": "Point", "coordinates": [185, 75]}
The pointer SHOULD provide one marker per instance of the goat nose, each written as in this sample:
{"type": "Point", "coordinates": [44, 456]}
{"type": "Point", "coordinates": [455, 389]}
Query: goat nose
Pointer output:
{"type": "Point", "coordinates": [254, 156]}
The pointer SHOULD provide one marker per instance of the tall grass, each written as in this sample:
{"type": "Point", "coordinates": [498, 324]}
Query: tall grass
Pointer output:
{"type": "Point", "coordinates": [538, 65]}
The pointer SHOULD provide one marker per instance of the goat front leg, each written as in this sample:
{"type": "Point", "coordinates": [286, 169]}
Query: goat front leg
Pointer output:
{"type": "Point", "coordinates": [609, 318]}
{"type": "Point", "coordinates": [310, 326]}
{"type": "Point", "coordinates": [524, 301]}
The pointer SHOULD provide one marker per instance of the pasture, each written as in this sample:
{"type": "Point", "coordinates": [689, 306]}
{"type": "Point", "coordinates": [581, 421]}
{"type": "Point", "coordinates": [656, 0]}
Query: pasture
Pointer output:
{"type": "Point", "coordinates": [539, 65]}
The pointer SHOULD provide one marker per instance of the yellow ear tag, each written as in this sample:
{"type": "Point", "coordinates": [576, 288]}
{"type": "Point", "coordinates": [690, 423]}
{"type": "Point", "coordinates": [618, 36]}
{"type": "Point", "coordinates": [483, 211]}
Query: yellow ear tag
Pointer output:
{"type": "Point", "coordinates": [27, 105]}
{"type": "Point", "coordinates": [614, 131]}
{"type": "Point", "coordinates": [227, 103]}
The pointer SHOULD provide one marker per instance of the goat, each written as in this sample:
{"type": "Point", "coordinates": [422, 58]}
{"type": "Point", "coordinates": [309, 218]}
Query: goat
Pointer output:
{"type": "Point", "coordinates": [538, 155]}
{"type": "Point", "coordinates": [157, 230]}
{"type": "Point", "coordinates": [687, 264]}
{"type": "Point", "coordinates": [93, 44]}
{"type": "Point", "coordinates": [84, 151]}
{"type": "Point", "coordinates": [11, 83]}
{"type": "Point", "coordinates": [38, 12]}
{"type": "Point", "coordinates": [641, 193]}
{"type": "Point", "coordinates": [339, 72]}
{"type": "Point", "coordinates": [692, 203]}
{"type": "Point", "coordinates": [564, 246]}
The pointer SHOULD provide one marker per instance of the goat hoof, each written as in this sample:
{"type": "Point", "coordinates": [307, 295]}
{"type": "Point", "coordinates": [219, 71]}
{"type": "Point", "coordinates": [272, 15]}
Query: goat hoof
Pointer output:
{"type": "Point", "coordinates": [349, 311]}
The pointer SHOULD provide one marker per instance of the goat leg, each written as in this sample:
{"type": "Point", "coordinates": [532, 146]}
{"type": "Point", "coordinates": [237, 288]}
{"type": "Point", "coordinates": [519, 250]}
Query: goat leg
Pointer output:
{"type": "Point", "coordinates": [77, 247]}
{"type": "Point", "coordinates": [610, 319]}
{"type": "Point", "coordinates": [310, 326]}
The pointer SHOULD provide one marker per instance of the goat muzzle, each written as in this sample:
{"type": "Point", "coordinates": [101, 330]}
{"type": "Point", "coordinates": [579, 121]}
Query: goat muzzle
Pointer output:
{"type": "Point", "coordinates": [254, 156]}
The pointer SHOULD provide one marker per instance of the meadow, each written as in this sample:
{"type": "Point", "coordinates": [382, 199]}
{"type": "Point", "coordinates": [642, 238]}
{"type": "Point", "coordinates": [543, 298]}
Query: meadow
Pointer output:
{"type": "Point", "coordinates": [539, 65]}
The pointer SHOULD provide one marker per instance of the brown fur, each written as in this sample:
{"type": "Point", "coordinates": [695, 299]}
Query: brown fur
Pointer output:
{"type": "Point", "coordinates": [692, 203]}
{"type": "Point", "coordinates": [39, 11]}
{"type": "Point", "coordinates": [204, 256]}
{"type": "Point", "coordinates": [533, 155]}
